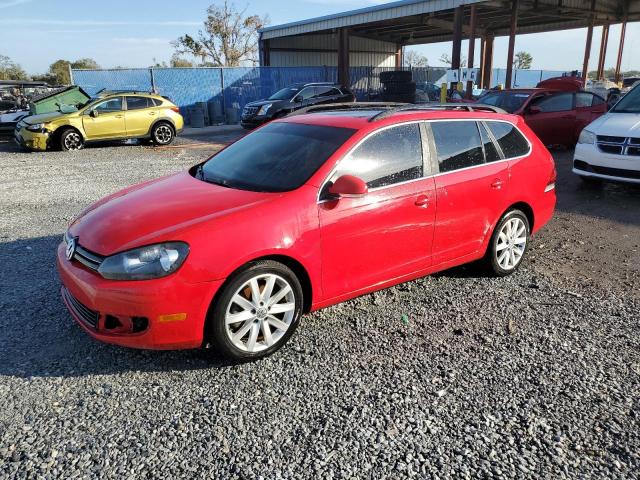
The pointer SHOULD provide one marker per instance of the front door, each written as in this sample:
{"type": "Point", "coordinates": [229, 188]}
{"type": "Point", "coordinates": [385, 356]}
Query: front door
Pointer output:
{"type": "Point", "coordinates": [387, 233]}
{"type": "Point", "coordinates": [554, 121]}
{"type": "Point", "coordinates": [107, 121]}
{"type": "Point", "coordinates": [471, 188]}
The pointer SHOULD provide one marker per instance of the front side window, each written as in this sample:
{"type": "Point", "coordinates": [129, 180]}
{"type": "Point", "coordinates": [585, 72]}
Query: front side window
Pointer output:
{"type": "Point", "coordinates": [277, 158]}
{"type": "Point", "coordinates": [390, 156]}
{"type": "Point", "coordinates": [509, 101]}
{"type": "Point", "coordinates": [137, 103]}
{"type": "Point", "coordinates": [111, 105]}
{"type": "Point", "coordinates": [306, 93]}
{"type": "Point", "coordinates": [458, 145]}
{"type": "Point", "coordinates": [285, 94]}
{"type": "Point", "coordinates": [560, 102]}
{"type": "Point", "coordinates": [511, 141]}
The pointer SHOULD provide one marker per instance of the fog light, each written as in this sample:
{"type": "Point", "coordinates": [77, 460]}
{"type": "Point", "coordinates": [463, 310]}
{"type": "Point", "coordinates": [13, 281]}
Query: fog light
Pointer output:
{"type": "Point", "coordinates": [174, 317]}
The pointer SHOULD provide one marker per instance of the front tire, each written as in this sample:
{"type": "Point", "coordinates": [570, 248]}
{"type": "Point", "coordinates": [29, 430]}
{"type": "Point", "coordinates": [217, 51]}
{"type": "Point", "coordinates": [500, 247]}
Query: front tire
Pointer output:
{"type": "Point", "coordinates": [162, 134]}
{"type": "Point", "coordinates": [508, 244]}
{"type": "Point", "coordinates": [257, 311]}
{"type": "Point", "coordinates": [71, 140]}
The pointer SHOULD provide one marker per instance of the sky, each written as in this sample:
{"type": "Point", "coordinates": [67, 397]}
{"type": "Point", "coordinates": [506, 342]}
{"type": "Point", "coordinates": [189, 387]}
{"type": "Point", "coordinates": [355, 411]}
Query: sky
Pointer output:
{"type": "Point", "coordinates": [132, 33]}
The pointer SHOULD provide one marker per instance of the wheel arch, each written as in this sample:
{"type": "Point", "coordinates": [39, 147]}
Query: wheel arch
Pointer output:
{"type": "Point", "coordinates": [296, 267]}
{"type": "Point", "coordinates": [526, 209]}
{"type": "Point", "coordinates": [57, 133]}
{"type": "Point", "coordinates": [162, 120]}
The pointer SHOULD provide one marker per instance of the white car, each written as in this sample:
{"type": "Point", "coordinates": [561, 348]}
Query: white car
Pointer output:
{"type": "Point", "coordinates": [609, 147]}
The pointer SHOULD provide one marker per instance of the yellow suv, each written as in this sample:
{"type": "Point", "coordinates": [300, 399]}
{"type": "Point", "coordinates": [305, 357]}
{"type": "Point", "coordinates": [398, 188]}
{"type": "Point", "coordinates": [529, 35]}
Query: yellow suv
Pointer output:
{"type": "Point", "coordinates": [112, 116]}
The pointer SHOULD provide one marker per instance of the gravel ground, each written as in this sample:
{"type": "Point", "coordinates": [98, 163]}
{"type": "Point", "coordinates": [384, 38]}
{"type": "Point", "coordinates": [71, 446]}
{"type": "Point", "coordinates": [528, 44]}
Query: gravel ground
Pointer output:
{"type": "Point", "coordinates": [451, 376]}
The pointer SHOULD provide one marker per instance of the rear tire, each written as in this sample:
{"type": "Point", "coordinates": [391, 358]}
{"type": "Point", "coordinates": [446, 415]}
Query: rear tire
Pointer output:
{"type": "Point", "coordinates": [256, 312]}
{"type": "Point", "coordinates": [162, 134]}
{"type": "Point", "coordinates": [509, 244]}
{"type": "Point", "coordinates": [70, 140]}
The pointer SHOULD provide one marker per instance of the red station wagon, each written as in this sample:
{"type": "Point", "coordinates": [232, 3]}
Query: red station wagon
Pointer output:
{"type": "Point", "coordinates": [303, 213]}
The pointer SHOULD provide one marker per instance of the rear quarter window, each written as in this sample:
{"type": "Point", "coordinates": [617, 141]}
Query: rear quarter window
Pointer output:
{"type": "Point", "coordinates": [511, 141]}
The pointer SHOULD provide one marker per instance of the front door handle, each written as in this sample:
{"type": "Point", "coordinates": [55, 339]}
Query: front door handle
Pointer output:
{"type": "Point", "coordinates": [422, 201]}
{"type": "Point", "coordinates": [497, 184]}
{"type": "Point", "coordinates": [119, 116]}
{"type": "Point", "coordinates": [152, 113]}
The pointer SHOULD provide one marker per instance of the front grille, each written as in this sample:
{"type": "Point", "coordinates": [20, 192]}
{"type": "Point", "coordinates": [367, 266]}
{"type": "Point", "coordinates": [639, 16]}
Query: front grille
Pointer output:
{"type": "Point", "coordinates": [250, 111]}
{"type": "Point", "coordinates": [83, 312]}
{"type": "Point", "coordinates": [87, 258]}
{"type": "Point", "coordinates": [619, 145]}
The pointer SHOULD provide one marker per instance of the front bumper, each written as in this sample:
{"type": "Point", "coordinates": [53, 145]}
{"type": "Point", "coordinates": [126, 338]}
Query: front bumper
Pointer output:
{"type": "Point", "coordinates": [254, 122]}
{"type": "Point", "coordinates": [85, 292]}
{"type": "Point", "coordinates": [31, 140]}
{"type": "Point", "coordinates": [589, 161]}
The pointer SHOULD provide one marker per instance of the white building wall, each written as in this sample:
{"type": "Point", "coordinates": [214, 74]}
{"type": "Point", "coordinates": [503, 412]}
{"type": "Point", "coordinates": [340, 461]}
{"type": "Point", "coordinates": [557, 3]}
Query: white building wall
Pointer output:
{"type": "Point", "coordinates": [322, 50]}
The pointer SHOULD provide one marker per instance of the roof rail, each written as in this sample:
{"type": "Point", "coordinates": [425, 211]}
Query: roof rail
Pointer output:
{"type": "Point", "coordinates": [468, 107]}
{"type": "Point", "coordinates": [327, 107]}
{"type": "Point", "coordinates": [106, 91]}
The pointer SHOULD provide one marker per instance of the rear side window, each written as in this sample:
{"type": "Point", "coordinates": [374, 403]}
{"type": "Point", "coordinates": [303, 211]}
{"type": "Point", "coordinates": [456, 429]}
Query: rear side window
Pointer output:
{"type": "Point", "coordinates": [137, 103]}
{"type": "Point", "coordinates": [390, 156]}
{"type": "Point", "coordinates": [560, 102]}
{"type": "Point", "coordinates": [458, 145]}
{"type": "Point", "coordinates": [511, 141]}
{"type": "Point", "coordinates": [326, 92]}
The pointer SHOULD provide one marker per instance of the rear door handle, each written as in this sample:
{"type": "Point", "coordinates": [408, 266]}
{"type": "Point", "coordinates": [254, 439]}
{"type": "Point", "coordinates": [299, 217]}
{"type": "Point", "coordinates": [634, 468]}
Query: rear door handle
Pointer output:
{"type": "Point", "coordinates": [497, 184]}
{"type": "Point", "coordinates": [422, 201]}
{"type": "Point", "coordinates": [152, 113]}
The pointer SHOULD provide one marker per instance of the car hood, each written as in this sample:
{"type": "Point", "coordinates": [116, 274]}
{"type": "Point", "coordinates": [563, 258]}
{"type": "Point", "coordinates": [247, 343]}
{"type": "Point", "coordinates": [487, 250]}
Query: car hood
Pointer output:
{"type": "Point", "coordinates": [43, 117]}
{"type": "Point", "coordinates": [617, 125]}
{"type": "Point", "coordinates": [259, 103]}
{"type": "Point", "coordinates": [156, 211]}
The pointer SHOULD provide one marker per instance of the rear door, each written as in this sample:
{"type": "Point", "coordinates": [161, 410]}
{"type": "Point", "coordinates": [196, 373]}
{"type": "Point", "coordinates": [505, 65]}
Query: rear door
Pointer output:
{"type": "Point", "coordinates": [108, 121]}
{"type": "Point", "coordinates": [471, 188]}
{"type": "Point", "coordinates": [588, 108]}
{"type": "Point", "coordinates": [387, 233]}
{"type": "Point", "coordinates": [140, 113]}
{"type": "Point", "coordinates": [555, 123]}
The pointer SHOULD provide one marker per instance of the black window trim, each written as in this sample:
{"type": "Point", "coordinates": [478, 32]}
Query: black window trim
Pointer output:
{"type": "Point", "coordinates": [434, 159]}
{"type": "Point", "coordinates": [427, 166]}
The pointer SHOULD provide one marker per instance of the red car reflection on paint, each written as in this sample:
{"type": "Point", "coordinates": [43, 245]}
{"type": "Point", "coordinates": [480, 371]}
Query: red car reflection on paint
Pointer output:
{"type": "Point", "coordinates": [303, 213]}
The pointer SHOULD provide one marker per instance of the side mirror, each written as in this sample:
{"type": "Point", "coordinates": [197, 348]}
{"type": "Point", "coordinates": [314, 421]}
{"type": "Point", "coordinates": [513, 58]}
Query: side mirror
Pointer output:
{"type": "Point", "coordinates": [348, 186]}
{"type": "Point", "coordinates": [297, 100]}
{"type": "Point", "coordinates": [534, 110]}
{"type": "Point", "coordinates": [94, 113]}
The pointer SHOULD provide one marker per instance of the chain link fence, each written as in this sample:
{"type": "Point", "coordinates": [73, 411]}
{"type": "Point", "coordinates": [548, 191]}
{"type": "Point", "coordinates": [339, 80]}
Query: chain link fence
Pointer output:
{"type": "Point", "coordinates": [232, 88]}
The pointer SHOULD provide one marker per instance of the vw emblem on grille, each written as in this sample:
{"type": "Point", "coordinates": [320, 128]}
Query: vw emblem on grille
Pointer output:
{"type": "Point", "coordinates": [71, 248]}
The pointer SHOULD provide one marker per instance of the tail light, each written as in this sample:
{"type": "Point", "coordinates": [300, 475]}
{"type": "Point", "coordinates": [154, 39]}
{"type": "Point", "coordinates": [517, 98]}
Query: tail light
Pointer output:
{"type": "Point", "coordinates": [551, 184]}
{"type": "Point", "coordinates": [175, 109]}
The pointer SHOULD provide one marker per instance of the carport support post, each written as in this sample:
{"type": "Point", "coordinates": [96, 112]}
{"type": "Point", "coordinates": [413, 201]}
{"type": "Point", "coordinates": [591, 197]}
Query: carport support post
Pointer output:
{"type": "Point", "coordinates": [603, 51]}
{"type": "Point", "coordinates": [472, 47]}
{"type": "Point", "coordinates": [623, 32]}
{"type": "Point", "coordinates": [457, 40]}
{"type": "Point", "coordinates": [587, 47]}
{"type": "Point", "coordinates": [487, 61]}
{"type": "Point", "coordinates": [343, 57]}
{"type": "Point", "coordinates": [512, 41]}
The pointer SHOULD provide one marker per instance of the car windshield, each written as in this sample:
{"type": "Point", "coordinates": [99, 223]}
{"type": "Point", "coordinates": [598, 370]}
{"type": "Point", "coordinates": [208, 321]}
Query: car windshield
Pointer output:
{"type": "Point", "coordinates": [276, 158]}
{"type": "Point", "coordinates": [509, 101]}
{"type": "Point", "coordinates": [285, 94]}
{"type": "Point", "coordinates": [630, 103]}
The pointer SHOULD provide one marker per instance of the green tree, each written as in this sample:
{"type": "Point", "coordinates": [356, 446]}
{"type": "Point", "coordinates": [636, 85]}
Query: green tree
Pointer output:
{"type": "Point", "coordinates": [228, 39]}
{"type": "Point", "coordinates": [523, 60]}
{"type": "Point", "coordinates": [60, 69]}
{"type": "Point", "coordinates": [10, 70]}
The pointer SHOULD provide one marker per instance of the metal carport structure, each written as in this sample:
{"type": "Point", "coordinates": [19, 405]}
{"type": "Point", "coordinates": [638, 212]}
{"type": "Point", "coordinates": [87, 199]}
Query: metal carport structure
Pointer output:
{"type": "Point", "coordinates": [392, 26]}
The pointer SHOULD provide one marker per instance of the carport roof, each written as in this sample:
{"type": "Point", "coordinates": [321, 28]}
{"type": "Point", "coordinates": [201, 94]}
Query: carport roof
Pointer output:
{"type": "Point", "coordinates": [410, 22]}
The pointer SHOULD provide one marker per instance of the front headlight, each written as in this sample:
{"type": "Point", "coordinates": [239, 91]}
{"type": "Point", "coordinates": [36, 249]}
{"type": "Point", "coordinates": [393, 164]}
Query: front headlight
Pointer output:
{"type": "Point", "coordinates": [145, 263]}
{"type": "Point", "coordinates": [264, 109]}
{"type": "Point", "coordinates": [36, 127]}
{"type": "Point", "coordinates": [587, 137]}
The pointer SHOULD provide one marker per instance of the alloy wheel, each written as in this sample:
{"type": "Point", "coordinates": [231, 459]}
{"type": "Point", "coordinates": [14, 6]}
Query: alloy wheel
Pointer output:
{"type": "Point", "coordinates": [73, 141]}
{"type": "Point", "coordinates": [260, 313]}
{"type": "Point", "coordinates": [511, 243]}
{"type": "Point", "coordinates": [164, 134]}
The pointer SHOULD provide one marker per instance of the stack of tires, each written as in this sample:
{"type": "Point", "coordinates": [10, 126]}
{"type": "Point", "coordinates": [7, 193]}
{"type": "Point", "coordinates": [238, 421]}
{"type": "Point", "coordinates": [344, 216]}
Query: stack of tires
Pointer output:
{"type": "Point", "coordinates": [398, 86]}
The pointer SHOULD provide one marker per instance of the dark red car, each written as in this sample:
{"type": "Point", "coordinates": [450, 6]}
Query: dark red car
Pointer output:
{"type": "Point", "coordinates": [303, 213]}
{"type": "Point", "coordinates": [556, 116]}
